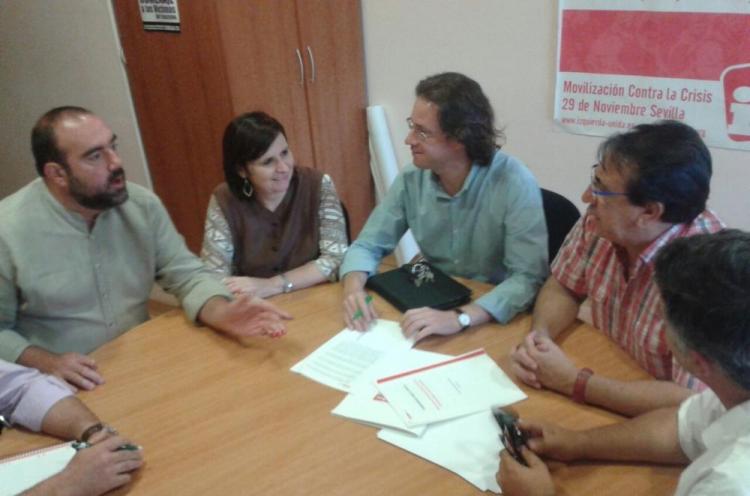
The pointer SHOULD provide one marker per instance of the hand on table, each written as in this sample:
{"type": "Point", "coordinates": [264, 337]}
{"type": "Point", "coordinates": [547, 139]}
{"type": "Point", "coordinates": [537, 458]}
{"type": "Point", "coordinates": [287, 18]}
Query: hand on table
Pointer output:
{"type": "Point", "coordinates": [245, 316]}
{"type": "Point", "coordinates": [80, 371]}
{"type": "Point", "coordinates": [524, 367]}
{"type": "Point", "coordinates": [100, 468]}
{"type": "Point", "coordinates": [554, 369]}
{"type": "Point", "coordinates": [551, 441]}
{"type": "Point", "coordinates": [538, 361]}
{"type": "Point", "coordinates": [418, 323]}
{"type": "Point", "coordinates": [359, 311]}
{"type": "Point", "coordinates": [516, 479]}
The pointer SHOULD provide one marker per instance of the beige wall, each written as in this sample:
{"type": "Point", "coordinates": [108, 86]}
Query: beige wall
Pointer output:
{"type": "Point", "coordinates": [509, 47]}
{"type": "Point", "coordinates": [58, 53]}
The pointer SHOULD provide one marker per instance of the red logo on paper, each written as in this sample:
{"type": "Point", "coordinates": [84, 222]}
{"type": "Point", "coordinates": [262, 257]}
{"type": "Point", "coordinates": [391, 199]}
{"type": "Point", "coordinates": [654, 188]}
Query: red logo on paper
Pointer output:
{"type": "Point", "coordinates": [736, 82]}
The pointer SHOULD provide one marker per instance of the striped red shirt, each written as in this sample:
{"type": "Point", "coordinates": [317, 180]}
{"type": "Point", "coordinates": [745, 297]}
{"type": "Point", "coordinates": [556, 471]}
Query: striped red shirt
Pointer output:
{"type": "Point", "coordinates": [627, 307]}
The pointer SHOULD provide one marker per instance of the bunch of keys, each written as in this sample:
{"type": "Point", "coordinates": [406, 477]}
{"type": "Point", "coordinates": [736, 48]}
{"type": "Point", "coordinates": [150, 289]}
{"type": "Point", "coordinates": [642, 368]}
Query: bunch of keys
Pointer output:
{"type": "Point", "coordinates": [511, 436]}
{"type": "Point", "coordinates": [421, 273]}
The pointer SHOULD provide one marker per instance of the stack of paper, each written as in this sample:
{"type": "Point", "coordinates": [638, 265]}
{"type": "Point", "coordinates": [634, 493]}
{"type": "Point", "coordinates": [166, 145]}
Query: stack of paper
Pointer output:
{"type": "Point", "coordinates": [343, 358]}
{"type": "Point", "coordinates": [453, 398]}
{"type": "Point", "coordinates": [435, 406]}
{"type": "Point", "coordinates": [366, 404]}
{"type": "Point", "coordinates": [448, 389]}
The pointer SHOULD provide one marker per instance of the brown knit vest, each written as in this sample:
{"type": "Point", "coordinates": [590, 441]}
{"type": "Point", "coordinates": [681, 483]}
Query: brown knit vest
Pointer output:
{"type": "Point", "coordinates": [267, 243]}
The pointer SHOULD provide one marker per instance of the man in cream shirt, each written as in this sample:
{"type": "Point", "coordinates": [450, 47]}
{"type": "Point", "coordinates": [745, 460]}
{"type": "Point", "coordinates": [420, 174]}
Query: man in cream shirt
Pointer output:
{"type": "Point", "coordinates": [80, 249]}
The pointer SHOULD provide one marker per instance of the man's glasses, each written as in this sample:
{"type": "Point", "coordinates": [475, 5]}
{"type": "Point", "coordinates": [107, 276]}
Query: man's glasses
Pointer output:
{"type": "Point", "coordinates": [596, 191]}
{"type": "Point", "coordinates": [421, 134]}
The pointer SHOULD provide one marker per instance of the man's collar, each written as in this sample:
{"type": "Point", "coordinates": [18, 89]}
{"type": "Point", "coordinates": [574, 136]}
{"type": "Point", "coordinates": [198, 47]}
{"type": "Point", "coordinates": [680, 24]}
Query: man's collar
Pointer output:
{"type": "Point", "coordinates": [435, 180]}
{"type": "Point", "coordinates": [657, 244]}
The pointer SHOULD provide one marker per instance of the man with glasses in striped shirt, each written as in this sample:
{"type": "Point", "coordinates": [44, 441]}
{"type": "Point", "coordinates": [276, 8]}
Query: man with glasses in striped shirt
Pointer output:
{"type": "Point", "coordinates": [649, 187]}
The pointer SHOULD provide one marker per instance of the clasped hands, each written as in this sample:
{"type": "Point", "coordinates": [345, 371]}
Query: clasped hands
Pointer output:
{"type": "Point", "coordinates": [539, 362]}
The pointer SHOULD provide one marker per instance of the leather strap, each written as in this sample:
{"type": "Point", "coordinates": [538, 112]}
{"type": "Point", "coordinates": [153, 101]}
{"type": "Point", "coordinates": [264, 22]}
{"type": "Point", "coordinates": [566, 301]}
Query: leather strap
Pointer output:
{"type": "Point", "coordinates": [90, 431]}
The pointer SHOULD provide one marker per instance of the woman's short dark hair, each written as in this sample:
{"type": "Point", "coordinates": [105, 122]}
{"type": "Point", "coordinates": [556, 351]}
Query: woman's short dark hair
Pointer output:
{"type": "Point", "coordinates": [464, 113]}
{"type": "Point", "coordinates": [246, 138]}
{"type": "Point", "coordinates": [43, 140]}
{"type": "Point", "coordinates": [666, 162]}
{"type": "Point", "coordinates": [704, 281]}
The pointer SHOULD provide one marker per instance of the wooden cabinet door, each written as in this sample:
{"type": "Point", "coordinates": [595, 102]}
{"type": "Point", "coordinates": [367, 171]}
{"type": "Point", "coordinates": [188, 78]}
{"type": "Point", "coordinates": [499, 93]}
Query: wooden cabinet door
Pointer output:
{"type": "Point", "coordinates": [331, 39]}
{"type": "Point", "coordinates": [234, 56]}
{"type": "Point", "coordinates": [264, 65]}
{"type": "Point", "coordinates": [182, 102]}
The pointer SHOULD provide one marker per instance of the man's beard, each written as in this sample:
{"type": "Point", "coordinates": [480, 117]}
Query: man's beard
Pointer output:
{"type": "Point", "coordinates": [101, 200]}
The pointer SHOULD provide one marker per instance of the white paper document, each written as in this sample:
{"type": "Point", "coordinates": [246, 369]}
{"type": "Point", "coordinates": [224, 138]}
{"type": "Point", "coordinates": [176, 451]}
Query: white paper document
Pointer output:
{"type": "Point", "coordinates": [341, 359]}
{"type": "Point", "coordinates": [365, 404]}
{"type": "Point", "coordinates": [21, 472]}
{"type": "Point", "coordinates": [468, 446]}
{"type": "Point", "coordinates": [459, 386]}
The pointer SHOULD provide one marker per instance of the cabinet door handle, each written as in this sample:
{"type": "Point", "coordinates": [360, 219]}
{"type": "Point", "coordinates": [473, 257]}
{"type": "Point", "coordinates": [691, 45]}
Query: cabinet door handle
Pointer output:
{"type": "Point", "coordinates": [312, 64]}
{"type": "Point", "coordinates": [301, 67]}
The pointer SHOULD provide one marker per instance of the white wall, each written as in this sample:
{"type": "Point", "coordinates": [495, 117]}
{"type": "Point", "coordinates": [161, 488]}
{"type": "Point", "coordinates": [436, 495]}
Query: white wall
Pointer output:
{"type": "Point", "coordinates": [61, 53]}
{"type": "Point", "coordinates": [509, 47]}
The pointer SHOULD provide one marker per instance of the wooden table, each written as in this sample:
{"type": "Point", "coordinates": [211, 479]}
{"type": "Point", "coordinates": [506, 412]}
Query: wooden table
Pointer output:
{"type": "Point", "coordinates": [217, 417]}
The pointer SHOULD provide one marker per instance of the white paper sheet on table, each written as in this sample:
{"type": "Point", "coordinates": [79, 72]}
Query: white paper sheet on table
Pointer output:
{"type": "Point", "coordinates": [462, 385]}
{"type": "Point", "coordinates": [468, 446]}
{"type": "Point", "coordinates": [21, 472]}
{"type": "Point", "coordinates": [365, 404]}
{"type": "Point", "coordinates": [341, 359]}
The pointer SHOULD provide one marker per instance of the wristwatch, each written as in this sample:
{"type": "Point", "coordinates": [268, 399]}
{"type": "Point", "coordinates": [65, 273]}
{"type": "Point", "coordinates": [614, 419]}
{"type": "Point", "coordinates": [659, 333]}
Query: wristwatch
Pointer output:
{"type": "Point", "coordinates": [286, 284]}
{"type": "Point", "coordinates": [463, 318]}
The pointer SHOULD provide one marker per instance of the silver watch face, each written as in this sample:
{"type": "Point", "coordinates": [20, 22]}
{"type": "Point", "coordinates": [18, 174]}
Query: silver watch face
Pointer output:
{"type": "Point", "coordinates": [464, 319]}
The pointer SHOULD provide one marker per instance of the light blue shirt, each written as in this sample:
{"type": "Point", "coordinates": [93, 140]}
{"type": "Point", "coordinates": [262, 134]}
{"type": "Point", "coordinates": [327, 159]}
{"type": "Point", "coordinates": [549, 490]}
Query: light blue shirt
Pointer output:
{"type": "Point", "coordinates": [492, 230]}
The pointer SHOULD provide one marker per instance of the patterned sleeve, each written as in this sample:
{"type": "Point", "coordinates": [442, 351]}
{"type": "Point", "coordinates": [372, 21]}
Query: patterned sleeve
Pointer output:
{"type": "Point", "coordinates": [333, 242]}
{"type": "Point", "coordinates": [218, 247]}
{"type": "Point", "coordinates": [569, 266]}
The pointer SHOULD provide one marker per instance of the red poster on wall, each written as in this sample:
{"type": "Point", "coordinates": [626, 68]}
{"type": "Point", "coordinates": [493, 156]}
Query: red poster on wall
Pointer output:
{"type": "Point", "coordinates": [625, 62]}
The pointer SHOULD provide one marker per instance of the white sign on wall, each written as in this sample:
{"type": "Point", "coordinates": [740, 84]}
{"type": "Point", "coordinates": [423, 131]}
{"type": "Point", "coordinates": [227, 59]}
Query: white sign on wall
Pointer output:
{"type": "Point", "coordinates": [626, 62]}
{"type": "Point", "coordinates": [160, 15]}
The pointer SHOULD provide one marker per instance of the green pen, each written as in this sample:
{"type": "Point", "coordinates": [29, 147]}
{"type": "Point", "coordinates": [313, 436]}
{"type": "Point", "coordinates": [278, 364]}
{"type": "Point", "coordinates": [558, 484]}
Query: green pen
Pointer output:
{"type": "Point", "coordinates": [358, 314]}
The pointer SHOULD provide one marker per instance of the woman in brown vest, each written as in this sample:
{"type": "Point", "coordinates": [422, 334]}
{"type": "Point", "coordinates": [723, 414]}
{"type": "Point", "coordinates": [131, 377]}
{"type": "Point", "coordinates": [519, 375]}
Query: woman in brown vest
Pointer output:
{"type": "Point", "coordinates": [272, 227]}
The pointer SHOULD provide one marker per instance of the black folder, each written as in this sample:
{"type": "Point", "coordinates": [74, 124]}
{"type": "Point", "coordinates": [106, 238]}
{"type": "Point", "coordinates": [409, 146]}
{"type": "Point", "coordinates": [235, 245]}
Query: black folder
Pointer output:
{"type": "Point", "coordinates": [397, 286]}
